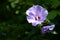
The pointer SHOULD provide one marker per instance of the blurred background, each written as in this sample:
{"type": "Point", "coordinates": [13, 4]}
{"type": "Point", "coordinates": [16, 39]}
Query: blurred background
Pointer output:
{"type": "Point", "coordinates": [13, 23]}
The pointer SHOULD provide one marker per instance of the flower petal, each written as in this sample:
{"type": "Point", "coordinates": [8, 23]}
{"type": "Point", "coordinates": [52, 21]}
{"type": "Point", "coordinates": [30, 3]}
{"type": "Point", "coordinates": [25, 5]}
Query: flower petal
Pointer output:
{"type": "Point", "coordinates": [47, 28]}
{"type": "Point", "coordinates": [45, 12]}
{"type": "Point", "coordinates": [30, 19]}
{"type": "Point", "coordinates": [44, 30]}
{"type": "Point", "coordinates": [51, 27]}
{"type": "Point", "coordinates": [34, 24]}
{"type": "Point", "coordinates": [34, 10]}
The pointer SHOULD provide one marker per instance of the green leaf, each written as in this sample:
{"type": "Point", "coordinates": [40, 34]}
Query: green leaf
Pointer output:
{"type": "Point", "coordinates": [52, 14]}
{"type": "Point", "coordinates": [55, 3]}
{"type": "Point", "coordinates": [11, 0]}
{"type": "Point", "coordinates": [58, 13]}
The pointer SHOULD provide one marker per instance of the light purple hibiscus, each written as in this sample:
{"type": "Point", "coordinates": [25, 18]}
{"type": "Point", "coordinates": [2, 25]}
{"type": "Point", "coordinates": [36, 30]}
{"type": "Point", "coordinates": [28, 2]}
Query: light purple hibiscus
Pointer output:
{"type": "Point", "coordinates": [48, 28]}
{"type": "Point", "coordinates": [36, 15]}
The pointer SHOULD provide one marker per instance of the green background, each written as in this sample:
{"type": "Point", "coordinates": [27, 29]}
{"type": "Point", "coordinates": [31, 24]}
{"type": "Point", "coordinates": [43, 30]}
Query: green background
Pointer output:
{"type": "Point", "coordinates": [13, 23]}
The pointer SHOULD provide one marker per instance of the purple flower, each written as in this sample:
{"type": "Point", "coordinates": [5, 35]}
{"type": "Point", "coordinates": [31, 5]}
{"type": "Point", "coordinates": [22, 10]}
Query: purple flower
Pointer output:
{"type": "Point", "coordinates": [48, 28]}
{"type": "Point", "coordinates": [36, 15]}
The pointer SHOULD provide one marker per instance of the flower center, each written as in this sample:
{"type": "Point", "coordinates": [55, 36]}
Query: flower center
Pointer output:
{"type": "Point", "coordinates": [37, 18]}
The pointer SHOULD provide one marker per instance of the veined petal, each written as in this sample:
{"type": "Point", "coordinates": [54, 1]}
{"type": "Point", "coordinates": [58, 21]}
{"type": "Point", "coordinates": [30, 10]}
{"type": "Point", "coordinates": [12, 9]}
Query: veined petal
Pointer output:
{"type": "Point", "coordinates": [51, 27]}
{"type": "Point", "coordinates": [30, 19]}
{"type": "Point", "coordinates": [37, 14]}
{"type": "Point", "coordinates": [47, 28]}
{"type": "Point", "coordinates": [34, 10]}
{"type": "Point", "coordinates": [31, 10]}
{"type": "Point", "coordinates": [44, 12]}
{"type": "Point", "coordinates": [34, 24]}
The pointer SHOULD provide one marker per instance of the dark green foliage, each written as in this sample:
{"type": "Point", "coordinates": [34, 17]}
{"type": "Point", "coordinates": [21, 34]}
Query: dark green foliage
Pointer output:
{"type": "Point", "coordinates": [13, 23]}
